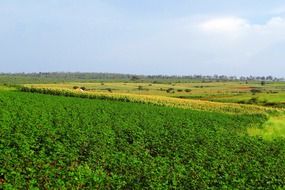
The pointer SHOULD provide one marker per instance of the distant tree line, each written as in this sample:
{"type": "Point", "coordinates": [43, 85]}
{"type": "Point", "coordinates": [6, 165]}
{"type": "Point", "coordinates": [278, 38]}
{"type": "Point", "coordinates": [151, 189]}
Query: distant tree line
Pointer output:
{"type": "Point", "coordinates": [59, 77]}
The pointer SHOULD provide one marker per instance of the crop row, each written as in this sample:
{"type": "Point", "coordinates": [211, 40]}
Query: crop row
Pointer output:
{"type": "Point", "coordinates": [230, 108]}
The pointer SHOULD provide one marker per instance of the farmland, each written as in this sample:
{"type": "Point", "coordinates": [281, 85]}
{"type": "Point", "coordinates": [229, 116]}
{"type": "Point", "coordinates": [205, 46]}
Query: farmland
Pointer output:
{"type": "Point", "coordinates": [252, 92]}
{"type": "Point", "coordinates": [66, 142]}
{"type": "Point", "coordinates": [142, 95]}
{"type": "Point", "coordinates": [138, 135]}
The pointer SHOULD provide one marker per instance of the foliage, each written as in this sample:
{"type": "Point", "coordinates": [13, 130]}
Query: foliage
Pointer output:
{"type": "Point", "coordinates": [49, 142]}
{"type": "Point", "coordinates": [270, 95]}
{"type": "Point", "coordinates": [255, 90]}
{"type": "Point", "coordinates": [58, 77]}
{"type": "Point", "coordinates": [170, 90]}
{"type": "Point", "coordinates": [262, 83]}
{"type": "Point", "coordinates": [75, 87]}
{"type": "Point", "coordinates": [272, 129]}
{"type": "Point", "coordinates": [230, 108]}
{"type": "Point", "coordinates": [188, 90]}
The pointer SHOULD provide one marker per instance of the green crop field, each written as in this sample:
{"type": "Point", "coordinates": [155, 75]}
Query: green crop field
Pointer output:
{"type": "Point", "coordinates": [56, 142]}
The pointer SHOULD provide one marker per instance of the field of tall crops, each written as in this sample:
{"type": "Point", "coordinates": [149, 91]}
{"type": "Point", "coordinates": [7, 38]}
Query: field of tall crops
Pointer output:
{"type": "Point", "coordinates": [231, 108]}
{"type": "Point", "coordinates": [270, 94]}
{"type": "Point", "coordinates": [56, 142]}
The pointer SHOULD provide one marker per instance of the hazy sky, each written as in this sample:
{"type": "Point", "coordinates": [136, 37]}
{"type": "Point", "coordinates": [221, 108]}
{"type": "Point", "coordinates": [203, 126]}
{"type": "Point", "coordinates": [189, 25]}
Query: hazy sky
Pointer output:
{"type": "Point", "coordinates": [232, 37]}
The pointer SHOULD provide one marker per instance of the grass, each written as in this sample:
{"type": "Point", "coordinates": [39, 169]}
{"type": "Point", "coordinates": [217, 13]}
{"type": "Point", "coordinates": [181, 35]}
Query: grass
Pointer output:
{"type": "Point", "coordinates": [271, 129]}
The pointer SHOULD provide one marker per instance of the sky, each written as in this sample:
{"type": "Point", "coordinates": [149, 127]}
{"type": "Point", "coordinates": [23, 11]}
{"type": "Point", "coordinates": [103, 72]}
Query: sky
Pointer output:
{"type": "Point", "coordinates": [169, 37]}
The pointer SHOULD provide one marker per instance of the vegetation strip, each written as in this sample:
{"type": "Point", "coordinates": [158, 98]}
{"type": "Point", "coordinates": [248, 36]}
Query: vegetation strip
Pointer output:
{"type": "Point", "coordinates": [230, 108]}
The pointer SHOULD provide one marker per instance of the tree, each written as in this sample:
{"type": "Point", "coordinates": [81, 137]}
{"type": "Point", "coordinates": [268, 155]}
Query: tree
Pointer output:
{"type": "Point", "coordinates": [262, 83]}
{"type": "Point", "coordinates": [140, 87]}
{"type": "Point", "coordinates": [134, 78]}
{"type": "Point", "coordinates": [188, 90]}
{"type": "Point", "coordinates": [75, 87]}
{"type": "Point", "coordinates": [170, 90]}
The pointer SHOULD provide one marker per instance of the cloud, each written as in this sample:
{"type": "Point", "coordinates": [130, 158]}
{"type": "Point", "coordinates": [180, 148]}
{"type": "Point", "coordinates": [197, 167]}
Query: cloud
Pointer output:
{"type": "Point", "coordinates": [234, 25]}
{"type": "Point", "coordinates": [223, 45]}
{"type": "Point", "coordinates": [245, 33]}
{"type": "Point", "coordinates": [226, 24]}
{"type": "Point", "coordinates": [106, 37]}
{"type": "Point", "coordinates": [246, 47]}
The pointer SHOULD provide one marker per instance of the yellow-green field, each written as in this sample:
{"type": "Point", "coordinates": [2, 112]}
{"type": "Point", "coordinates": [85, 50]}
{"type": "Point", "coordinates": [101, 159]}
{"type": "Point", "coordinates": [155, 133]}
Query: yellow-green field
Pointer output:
{"type": "Point", "coordinates": [270, 94]}
{"type": "Point", "coordinates": [223, 97]}
{"type": "Point", "coordinates": [273, 128]}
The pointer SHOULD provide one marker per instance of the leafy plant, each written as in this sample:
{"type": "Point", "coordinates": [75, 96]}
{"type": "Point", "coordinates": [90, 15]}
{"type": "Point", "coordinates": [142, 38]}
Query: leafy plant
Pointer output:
{"type": "Point", "coordinates": [57, 142]}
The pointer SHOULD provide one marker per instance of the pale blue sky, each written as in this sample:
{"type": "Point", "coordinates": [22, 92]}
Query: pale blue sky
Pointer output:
{"type": "Point", "coordinates": [183, 37]}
